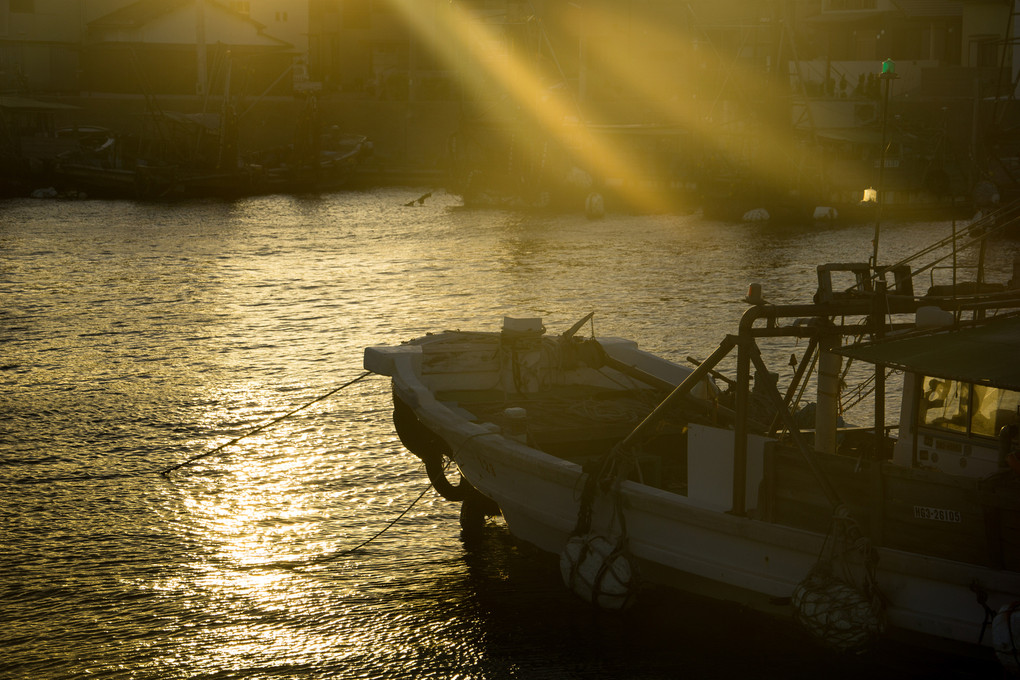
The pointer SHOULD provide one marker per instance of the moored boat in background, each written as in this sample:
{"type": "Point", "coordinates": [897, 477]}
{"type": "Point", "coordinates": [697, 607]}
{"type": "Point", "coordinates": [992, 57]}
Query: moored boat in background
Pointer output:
{"type": "Point", "coordinates": [178, 155]}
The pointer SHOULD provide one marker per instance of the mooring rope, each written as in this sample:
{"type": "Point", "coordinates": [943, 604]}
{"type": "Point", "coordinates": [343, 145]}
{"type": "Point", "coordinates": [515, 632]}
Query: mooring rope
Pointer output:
{"type": "Point", "coordinates": [166, 472]}
{"type": "Point", "coordinates": [301, 564]}
{"type": "Point", "coordinates": [348, 551]}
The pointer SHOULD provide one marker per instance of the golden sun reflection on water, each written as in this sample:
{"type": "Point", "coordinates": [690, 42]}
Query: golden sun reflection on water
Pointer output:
{"type": "Point", "coordinates": [215, 572]}
{"type": "Point", "coordinates": [268, 522]}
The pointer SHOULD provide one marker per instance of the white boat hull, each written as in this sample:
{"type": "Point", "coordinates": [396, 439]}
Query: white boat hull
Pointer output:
{"type": "Point", "coordinates": [679, 541]}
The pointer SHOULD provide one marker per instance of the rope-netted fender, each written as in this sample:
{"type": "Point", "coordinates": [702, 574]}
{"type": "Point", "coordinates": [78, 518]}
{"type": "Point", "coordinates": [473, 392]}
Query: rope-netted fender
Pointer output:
{"type": "Point", "coordinates": [837, 613]}
{"type": "Point", "coordinates": [842, 611]}
{"type": "Point", "coordinates": [611, 469]}
{"type": "Point", "coordinates": [597, 570]}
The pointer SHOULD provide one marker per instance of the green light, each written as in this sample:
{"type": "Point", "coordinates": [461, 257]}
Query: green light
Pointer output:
{"type": "Point", "coordinates": [888, 67]}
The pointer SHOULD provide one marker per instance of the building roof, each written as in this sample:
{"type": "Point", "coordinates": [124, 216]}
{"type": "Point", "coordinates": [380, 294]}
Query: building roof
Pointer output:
{"type": "Point", "coordinates": [144, 20]}
{"type": "Point", "coordinates": [139, 13]}
{"type": "Point", "coordinates": [912, 9]}
{"type": "Point", "coordinates": [848, 17]}
{"type": "Point", "coordinates": [855, 135]}
{"type": "Point", "coordinates": [12, 103]}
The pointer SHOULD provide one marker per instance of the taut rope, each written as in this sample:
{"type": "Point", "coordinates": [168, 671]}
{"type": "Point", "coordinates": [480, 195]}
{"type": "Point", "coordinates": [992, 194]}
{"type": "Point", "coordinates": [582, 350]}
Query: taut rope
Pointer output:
{"type": "Point", "coordinates": [167, 471]}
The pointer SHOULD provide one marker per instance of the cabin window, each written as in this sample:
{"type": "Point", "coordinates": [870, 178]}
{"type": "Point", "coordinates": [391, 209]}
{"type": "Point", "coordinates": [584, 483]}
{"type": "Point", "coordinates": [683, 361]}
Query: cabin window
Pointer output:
{"type": "Point", "coordinates": [993, 408]}
{"type": "Point", "coordinates": [945, 404]}
{"type": "Point", "coordinates": [969, 409]}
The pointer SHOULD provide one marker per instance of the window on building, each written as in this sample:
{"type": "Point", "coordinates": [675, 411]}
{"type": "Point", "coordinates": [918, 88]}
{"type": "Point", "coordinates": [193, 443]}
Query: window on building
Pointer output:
{"type": "Point", "coordinates": [241, 7]}
{"type": "Point", "coordinates": [984, 50]}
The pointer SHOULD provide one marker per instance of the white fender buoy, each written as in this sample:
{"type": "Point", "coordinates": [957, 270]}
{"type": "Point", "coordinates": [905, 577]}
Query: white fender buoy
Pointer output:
{"type": "Point", "coordinates": [757, 215]}
{"type": "Point", "coordinates": [933, 317]}
{"type": "Point", "coordinates": [594, 206]}
{"type": "Point", "coordinates": [1006, 635]}
{"type": "Point", "coordinates": [48, 192]}
{"type": "Point", "coordinates": [597, 571]}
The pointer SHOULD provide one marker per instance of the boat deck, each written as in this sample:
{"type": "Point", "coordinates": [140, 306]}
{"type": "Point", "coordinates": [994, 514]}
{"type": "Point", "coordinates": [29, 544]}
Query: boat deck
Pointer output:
{"type": "Point", "coordinates": [582, 424]}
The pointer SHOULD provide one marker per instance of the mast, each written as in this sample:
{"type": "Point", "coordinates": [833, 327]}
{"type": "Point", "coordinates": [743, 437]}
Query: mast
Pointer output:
{"type": "Point", "coordinates": [887, 76]}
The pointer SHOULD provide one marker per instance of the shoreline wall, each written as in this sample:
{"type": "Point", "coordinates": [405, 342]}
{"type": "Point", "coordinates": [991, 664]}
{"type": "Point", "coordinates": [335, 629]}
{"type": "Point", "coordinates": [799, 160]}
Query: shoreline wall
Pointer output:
{"type": "Point", "coordinates": [410, 139]}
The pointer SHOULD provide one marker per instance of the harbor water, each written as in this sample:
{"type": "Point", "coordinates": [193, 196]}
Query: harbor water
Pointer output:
{"type": "Point", "coordinates": [134, 336]}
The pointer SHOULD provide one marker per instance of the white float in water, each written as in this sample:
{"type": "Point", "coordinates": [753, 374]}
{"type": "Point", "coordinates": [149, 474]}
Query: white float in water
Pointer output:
{"type": "Point", "coordinates": [1005, 630]}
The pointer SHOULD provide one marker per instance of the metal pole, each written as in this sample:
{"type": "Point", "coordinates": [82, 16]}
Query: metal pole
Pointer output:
{"type": "Point", "coordinates": [745, 347]}
{"type": "Point", "coordinates": [878, 319]}
{"type": "Point", "coordinates": [791, 424]}
{"type": "Point", "coordinates": [888, 75]}
{"type": "Point", "coordinates": [881, 175]}
{"type": "Point", "coordinates": [684, 388]}
{"type": "Point", "coordinates": [827, 405]}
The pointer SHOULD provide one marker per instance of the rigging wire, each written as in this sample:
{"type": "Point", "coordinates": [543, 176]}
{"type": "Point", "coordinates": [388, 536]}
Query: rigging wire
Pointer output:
{"type": "Point", "coordinates": [166, 472]}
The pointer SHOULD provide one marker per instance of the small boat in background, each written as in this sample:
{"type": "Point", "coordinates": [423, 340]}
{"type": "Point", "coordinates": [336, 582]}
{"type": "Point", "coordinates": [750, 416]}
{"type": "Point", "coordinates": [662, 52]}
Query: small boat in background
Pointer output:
{"type": "Point", "coordinates": [326, 164]}
{"type": "Point", "coordinates": [634, 469]}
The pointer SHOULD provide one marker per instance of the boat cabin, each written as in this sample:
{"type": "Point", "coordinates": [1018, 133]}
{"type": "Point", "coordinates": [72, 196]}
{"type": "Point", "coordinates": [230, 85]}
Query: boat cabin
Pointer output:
{"type": "Point", "coordinates": [961, 400]}
{"type": "Point", "coordinates": [955, 426]}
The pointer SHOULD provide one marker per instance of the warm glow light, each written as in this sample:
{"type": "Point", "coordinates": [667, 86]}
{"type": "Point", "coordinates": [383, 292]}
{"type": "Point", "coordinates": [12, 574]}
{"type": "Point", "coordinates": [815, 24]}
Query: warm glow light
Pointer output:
{"type": "Point", "coordinates": [471, 48]}
{"type": "Point", "coordinates": [677, 75]}
{"type": "Point", "coordinates": [749, 127]}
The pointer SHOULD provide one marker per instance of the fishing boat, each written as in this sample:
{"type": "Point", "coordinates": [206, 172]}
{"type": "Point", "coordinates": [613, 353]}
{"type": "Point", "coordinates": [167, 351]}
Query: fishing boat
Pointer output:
{"type": "Point", "coordinates": [637, 470]}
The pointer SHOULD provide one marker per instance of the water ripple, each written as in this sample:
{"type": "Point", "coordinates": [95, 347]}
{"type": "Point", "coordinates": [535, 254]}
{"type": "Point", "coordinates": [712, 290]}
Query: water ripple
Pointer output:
{"type": "Point", "coordinates": [137, 336]}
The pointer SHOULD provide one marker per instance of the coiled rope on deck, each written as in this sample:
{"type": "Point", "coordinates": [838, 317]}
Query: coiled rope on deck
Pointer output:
{"type": "Point", "coordinates": [166, 472]}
